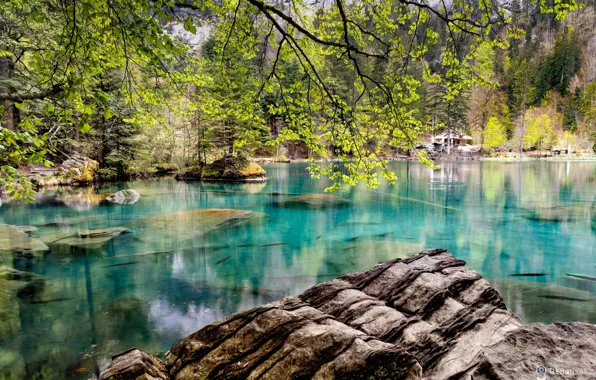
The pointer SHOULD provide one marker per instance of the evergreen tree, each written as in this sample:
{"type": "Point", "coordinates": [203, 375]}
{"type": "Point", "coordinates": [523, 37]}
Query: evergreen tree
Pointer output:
{"type": "Point", "coordinates": [559, 68]}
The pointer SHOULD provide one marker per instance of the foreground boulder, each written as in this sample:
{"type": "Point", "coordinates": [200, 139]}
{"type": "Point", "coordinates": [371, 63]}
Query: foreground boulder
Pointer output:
{"type": "Point", "coordinates": [128, 197]}
{"type": "Point", "coordinates": [424, 317]}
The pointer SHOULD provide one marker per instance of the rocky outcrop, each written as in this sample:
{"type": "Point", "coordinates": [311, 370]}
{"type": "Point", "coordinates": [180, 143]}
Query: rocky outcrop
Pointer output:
{"type": "Point", "coordinates": [314, 201]}
{"type": "Point", "coordinates": [77, 170]}
{"type": "Point", "coordinates": [538, 351]}
{"type": "Point", "coordinates": [135, 364]}
{"type": "Point", "coordinates": [285, 339]}
{"type": "Point", "coordinates": [128, 197]}
{"type": "Point", "coordinates": [424, 317]}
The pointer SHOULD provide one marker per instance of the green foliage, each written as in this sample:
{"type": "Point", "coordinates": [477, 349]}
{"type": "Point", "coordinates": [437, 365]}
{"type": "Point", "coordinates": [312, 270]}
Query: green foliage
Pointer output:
{"type": "Point", "coordinates": [495, 133]}
{"type": "Point", "coordinates": [354, 80]}
{"type": "Point", "coordinates": [560, 66]}
{"type": "Point", "coordinates": [540, 133]}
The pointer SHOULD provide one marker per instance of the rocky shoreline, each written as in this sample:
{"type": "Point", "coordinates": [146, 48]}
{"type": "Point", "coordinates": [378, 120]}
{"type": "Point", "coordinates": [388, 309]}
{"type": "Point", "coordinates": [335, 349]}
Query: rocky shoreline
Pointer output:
{"type": "Point", "coordinates": [425, 317]}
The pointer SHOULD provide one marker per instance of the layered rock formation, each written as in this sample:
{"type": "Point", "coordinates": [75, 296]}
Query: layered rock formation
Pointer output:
{"type": "Point", "coordinates": [424, 317]}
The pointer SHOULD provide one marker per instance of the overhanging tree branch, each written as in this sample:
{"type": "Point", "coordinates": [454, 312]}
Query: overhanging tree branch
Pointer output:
{"type": "Point", "coordinates": [20, 97]}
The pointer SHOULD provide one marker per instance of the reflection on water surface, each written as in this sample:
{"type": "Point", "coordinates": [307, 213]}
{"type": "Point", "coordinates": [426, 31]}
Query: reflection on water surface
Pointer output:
{"type": "Point", "coordinates": [174, 266]}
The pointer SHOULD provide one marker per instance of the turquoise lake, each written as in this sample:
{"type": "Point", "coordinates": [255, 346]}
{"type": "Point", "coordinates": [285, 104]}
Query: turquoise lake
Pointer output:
{"type": "Point", "coordinates": [529, 228]}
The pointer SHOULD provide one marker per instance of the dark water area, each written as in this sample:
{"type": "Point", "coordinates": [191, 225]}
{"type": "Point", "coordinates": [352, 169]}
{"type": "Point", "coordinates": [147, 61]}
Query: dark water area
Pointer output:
{"type": "Point", "coordinates": [529, 228]}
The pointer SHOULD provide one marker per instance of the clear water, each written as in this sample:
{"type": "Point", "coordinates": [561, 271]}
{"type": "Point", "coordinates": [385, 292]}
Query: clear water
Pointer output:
{"type": "Point", "coordinates": [502, 218]}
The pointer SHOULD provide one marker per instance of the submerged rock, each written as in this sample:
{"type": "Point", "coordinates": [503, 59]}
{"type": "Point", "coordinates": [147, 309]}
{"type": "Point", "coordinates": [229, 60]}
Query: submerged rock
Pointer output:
{"type": "Point", "coordinates": [546, 302]}
{"type": "Point", "coordinates": [183, 225]}
{"type": "Point", "coordinates": [555, 214]}
{"type": "Point", "coordinates": [13, 239]}
{"type": "Point", "coordinates": [102, 232]}
{"type": "Point", "coordinates": [314, 201]}
{"type": "Point", "coordinates": [127, 197]}
{"type": "Point", "coordinates": [12, 282]}
{"type": "Point", "coordinates": [84, 238]}
{"type": "Point", "coordinates": [27, 229]}
{"type": "Point", "coordinates": [424, 317]}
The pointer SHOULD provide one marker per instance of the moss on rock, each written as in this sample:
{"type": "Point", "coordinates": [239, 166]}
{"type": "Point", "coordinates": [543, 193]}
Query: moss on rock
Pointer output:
{"type": "Point", "coordinates": [226, 169]}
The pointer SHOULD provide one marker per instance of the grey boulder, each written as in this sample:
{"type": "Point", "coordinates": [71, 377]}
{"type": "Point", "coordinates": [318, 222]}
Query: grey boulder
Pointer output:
{"type": "Point", "coordinates": [127, 197]}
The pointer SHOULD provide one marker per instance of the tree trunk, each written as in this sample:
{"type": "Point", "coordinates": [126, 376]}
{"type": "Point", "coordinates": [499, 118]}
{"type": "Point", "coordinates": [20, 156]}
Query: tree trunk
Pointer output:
{"type": "Point", "coordinates": [5, 74]}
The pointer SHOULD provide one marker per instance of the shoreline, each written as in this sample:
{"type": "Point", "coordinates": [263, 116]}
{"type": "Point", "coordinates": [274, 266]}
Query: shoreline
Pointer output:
{"type": "Point", "coordinates": [47, 182]}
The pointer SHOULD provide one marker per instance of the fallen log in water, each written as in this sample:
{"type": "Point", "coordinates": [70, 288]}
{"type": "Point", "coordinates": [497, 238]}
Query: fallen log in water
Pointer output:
{"type": "Point", "coordinates": [426, 317]}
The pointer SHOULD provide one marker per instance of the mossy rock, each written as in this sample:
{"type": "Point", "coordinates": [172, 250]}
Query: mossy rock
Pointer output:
{"type": "Point", "coordinates": [189, 173]}
{"type": "Point", "coordinates": [226, 169]}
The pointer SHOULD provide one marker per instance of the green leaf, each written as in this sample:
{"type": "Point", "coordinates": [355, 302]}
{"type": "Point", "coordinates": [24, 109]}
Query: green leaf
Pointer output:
{"type": "Point", "coordinates": [189, 26]}
{"type": "Point", "coordinates": [108, 113]}
{"type": "Point", "coordinates": [102, 96]}
{"type": "Point", "coordinates": [84, 128]}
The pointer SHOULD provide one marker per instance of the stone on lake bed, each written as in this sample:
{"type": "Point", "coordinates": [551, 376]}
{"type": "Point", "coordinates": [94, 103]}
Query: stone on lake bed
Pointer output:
{"type": "Point", "coordinates": [314, 201]}
{"type": "Point", "coordinates": [27, 229]}
{"type": "Point", "coordinates": [12, 282]}
{"type": "Point", "coordinates": [556, 214]}
{"type": "Point", "coordinates": [84, 238]}
{"type": "Point", "coordinates": [124, 197]}
{"type": "Point", "coordinates": [13, 239]}
{"type": "Point", "coordinates": [102, 232]}
{"type": "Point", "coordinates": [552, 302]}
{"type": "Point", "coordinates": [188, 224]}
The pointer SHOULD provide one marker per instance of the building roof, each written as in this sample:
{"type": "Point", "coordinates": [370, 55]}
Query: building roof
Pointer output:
{"type": "Point", "coordinates": [454, 135]}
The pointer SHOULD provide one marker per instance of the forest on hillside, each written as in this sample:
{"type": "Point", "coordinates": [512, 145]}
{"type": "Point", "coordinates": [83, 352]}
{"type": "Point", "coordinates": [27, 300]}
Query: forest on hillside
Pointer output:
{"type": "Point", "coordinates": [145, 87]}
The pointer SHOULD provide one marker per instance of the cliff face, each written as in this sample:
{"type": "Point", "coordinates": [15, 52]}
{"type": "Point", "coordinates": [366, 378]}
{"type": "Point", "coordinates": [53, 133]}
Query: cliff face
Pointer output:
{"type": "Point", "coordinates": [428, 316]}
